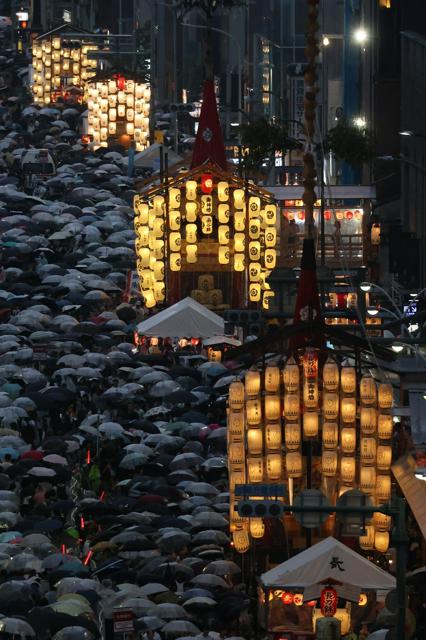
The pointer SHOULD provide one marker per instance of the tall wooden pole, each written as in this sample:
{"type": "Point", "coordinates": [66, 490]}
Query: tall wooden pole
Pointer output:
{"type": "Point", "coordinates": [309, 171]}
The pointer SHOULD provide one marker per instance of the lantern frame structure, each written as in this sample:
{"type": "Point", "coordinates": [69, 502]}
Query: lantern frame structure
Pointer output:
{"type": "Point", "coordinates": [61, 65]}
{"type": "Point", "coordinates": [230, 237]}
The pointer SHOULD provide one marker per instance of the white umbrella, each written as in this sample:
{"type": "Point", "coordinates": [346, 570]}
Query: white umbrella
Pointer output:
{"type": "Point", "coordinates": [164, 388]}
{"type": "Point", "coordinates": [42, 472]}
{"type": "Point", "coordinates": [180, 627]}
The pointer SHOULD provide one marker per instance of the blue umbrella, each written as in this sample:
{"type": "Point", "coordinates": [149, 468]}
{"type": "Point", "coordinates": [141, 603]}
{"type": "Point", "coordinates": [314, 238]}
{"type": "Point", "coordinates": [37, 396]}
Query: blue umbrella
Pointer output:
{"type": "Point", "coordinates": [9, 451]}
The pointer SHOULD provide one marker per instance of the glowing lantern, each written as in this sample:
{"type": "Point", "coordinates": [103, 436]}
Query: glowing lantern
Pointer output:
{"type": "Point", "coordinates": [252, 382]}
{"type": "Point", "coordinates": [381, 521]}
{"type": "Point", "coordinates": [366, 541]}
{"type": "Point", "coordinates": [191, 189]}
{"type": "Point", "coordinates": [385, 396]}
{"type": "Point", "coordinates": [191, 253]}
{"type": "Point", "coordinates": [368, 420]}
{"type": "Point", "coordinates": [255, 469]}
{"type": "Point", "coordinates": [270, 237]}
{"type": "Point", "coordinates": [368, 390]}
{"type": "Point", "coordinates": [384, 457]}
{"type": "Point", "coordinates": [375, 234]}
{"type": "Point", "coordinates": [368, 450]}
{"type": "Point", "coordinates": [191, 233]}
{"type": "Point", "coordinates": [239, 262]}
{"type": "Point", "coordinates": [273, 466]}
{"type": "Point", "coordinates": [223, 234]}
{"type": "Point", "coordinates": [272, 379]}
{"type": "Point", "coordinates": [310, 394]}
{"type": "Point", "coordinates": [254, 229]}
{"type": "Point", "coordinates": [174, 198]}
{"type": "Point", "coordinates": [223, 255]}
{"type": "Point", "coordinates": [254, 250]}
{"type": "Point", "coordinates": [273, 436]}
{"type": "Point", "coordinates": [241, 541]}
{"type": "Point", "coordinates": [383, 488]}
{"type": "Point", "coordinates": [236, 395]}
{"type": "Point", "coordinates": [174, 220]}
{"type": "Point", "coordinates": [347, 469]}
{"type": "Point", "coordinates": [239, 198]}
{"type": "Point", "coordinates": [207, 225]}
{"type": "Point", "coordinates": [236, 423]}
{"type": "Point", "coordinates": [149, 297]}
{"type": "Point", "coordinates": [159, 291]}
{"type": "Point", "coordinates": [291, 406]}
{"type": "Point", "coordinates": [222, 191]}
{"type": "Point", "coordinates": [381, 541]}
{"type": "Point", "coordinates": [223, 213]}
{"type": "Point", "coordinates": [348, 409]}
{"type": "Point", "coordinates": [294, 464]}
{"type": "Point", "coordinates": [330, 406]}
{"type": "Point", "coordinates": [207, 183]}
{"type": "Point", "coordinates": [367, 479]}
{"type": "Point", "coordinates": [291, 376]}
{"type": "Point", "coordinates": [239, 220]}
{"type": "Point", "coordinates": [385, 426]}
{"type": "Point", "coordinates": [330, 435]}
{"type": "Point", "coordinates": [254, 411]}
{"type": "Point", "coordinates": [255, 292]}
{"type": "Point", "coordinates": [292, 435]}
{"type": "Point", "coordinates": [270, 258]}
{"type": "Point", "coordinates": [348, 439]}
{"type": "Point", "coordinates": [254, 206]}
{"type": "Point", "coordinates": [272, 407]}
{"type": "Point", "coordinates": [329, 463]}
{"type": "Point", "coordinates": [206, 205]}
{"type": "Point", "coordinates": [310, 424]}
{"type": "Point", "coordinates": [348, 379]}
{"type": "Point", "coordinates": [271, 214]}
{"type": "Point", "coordinates": [330, 376]}
{"type": "Point", "coordinates": [191, 211]}
{"type": "Point", "coordinates": [236, 453]}
{"type": "Point", "coordinates": [239, 242]}
{"type": "Point", "coordinates": [257, 528]}
{"type": "Point", "coordinates": [255, 441]}
{"type": "Point", "coordinates": [175, 241]}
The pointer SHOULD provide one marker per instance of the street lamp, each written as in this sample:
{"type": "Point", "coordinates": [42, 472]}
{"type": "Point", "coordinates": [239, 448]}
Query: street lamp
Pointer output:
{"type": "Point", "coordinates": [360, 35]}
{"type": "Point", "coordinates": [397, 347]}
{"type": "Point", "coordinates": [366, 287]}
{"type": "Point", "coordinates": [360, 122]}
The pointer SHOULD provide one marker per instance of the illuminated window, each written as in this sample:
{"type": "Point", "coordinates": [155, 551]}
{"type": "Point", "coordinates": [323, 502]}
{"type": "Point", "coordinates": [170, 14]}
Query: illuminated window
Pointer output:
{"type": "Point", "coordinates": [385, 4]}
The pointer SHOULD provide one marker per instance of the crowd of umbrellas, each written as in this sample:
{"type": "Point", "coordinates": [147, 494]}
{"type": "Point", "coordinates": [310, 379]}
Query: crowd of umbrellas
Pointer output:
{"type": "Point", "coordinates": [113, 483]}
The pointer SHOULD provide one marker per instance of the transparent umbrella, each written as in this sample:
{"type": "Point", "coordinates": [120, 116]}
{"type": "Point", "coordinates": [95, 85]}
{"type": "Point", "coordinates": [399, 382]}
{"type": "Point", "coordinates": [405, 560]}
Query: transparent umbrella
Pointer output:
{"type": "Point", "coordinates": [73, 633]}
{"type": "Point", "coordinates": [16, 628]}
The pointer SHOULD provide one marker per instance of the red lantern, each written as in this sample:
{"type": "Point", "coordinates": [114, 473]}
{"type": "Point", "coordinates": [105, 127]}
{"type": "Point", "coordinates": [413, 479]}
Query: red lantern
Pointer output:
{"type": "Point", "coordinates": [206, 183]}
{"type": "Point", "coordinates": [327, 215]}
{"type": "Point", "coordinates": [121, 82]}
{"type": "Point", "coordinates": [311, 603]}
{"type": "Point", "coordinates": [301, 215]}
{"type": "Point", "coordinates": [328, 602]}
{"type": "Point", "coordinates": [349, 215]}
{"type": "Point", "coordinates": [287, 598]}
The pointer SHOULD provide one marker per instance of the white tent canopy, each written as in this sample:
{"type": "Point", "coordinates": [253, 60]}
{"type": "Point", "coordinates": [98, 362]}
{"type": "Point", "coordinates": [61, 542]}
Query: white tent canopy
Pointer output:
{"type": "Point", "coordinates": [187, 318]}
{"type": "Point", "coordinates": [328, 560]}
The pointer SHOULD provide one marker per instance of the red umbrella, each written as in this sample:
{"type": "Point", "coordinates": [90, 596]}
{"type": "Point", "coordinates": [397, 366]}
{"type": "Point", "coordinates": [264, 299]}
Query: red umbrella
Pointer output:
{"type": "Point", "coordinates": [33, 455]}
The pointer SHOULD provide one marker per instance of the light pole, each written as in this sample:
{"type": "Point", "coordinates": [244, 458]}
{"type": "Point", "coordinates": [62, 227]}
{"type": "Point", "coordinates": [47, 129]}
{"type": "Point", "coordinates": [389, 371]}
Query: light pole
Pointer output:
{"type": "Point", "coordinates": [366, 287]}
{"type": "Point", "coordinates": [235, 41]}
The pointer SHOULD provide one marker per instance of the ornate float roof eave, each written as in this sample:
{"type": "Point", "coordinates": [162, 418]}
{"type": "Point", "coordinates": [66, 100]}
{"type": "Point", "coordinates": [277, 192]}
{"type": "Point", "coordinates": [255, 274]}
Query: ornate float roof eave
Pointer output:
{"type": "Point", "coordinates": [107, 74]}
{"type": "Point", "coordinates": [64, 29]}
{"type": "Point", "coordinates": [217, 172]}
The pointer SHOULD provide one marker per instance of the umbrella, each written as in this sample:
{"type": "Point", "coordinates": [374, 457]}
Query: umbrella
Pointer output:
{"type": "Point", "coordinates": [170, 611]}
{"type": "Point", "coordinates": [179, 628]}
{"type": "Point", "coordinates": [210, 580]}
{"type": "Point", "coordinates": [73, 633]}
{"type": "Point", "coordinates": [149, 623]}
{"type": "Point", "coordinates": [201, 489]}
{"type": "Point", "coordinates": [222, 568]}
{"type": "Point", "coordinates": [163, 388]}
{"type": "Point", "coordinates": [16, 628]}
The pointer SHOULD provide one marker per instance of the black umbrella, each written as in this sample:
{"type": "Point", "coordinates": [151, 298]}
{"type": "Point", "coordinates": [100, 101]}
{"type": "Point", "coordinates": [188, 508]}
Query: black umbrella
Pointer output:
{"type": "Point", "coordinates": [181, 396]}
{"type": "Point", "coordinates": [195, 416]}
{"type": "Point", "coordinates": [44, 618]}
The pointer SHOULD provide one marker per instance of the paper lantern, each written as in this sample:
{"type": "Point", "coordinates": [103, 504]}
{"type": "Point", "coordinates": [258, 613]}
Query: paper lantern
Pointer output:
{"type": "Point", "coordinates": [239, 242]}
{"type": "Point", "coordinates": [273, 436]}
{"type": "Point", "coordinates": [330, 406]}
{"type": "Point", "coordinates": [383, 488]}
{"type": "Point", "coordinates": [223, 255]}
{"type": "Point", "coordinates": [222, 191]}
{"type": "Point", "coordinates": [223, 234]}
{"type": "Point", "coordinates": [272, 379]}
{"type": "Point", "coordinates": [206, 205]}
{"type": "Point", "coordinates": [237, 475]}
{"type": "Point", "coordinates": [254, 229]}
{"type": "Point", "coordinates": [330, 435]}
{"type": "Point", "coordinates": [294, 464]}
{"type": "Point", "coordinates": [366, 541]}
{"type": "Point", "coordinates": [214, 355]}
{"type": "Point", "coordinates": [310, 394]}
{"type": "Point", "coordinates": [348, 409]}
{"type": "Point", "coordinates": [236, 423]}
{"type": "Point", "coordinates": [347, 469]}
{"type": "Point", "coordinates": [223, 213]}
{"type": "Point", "coordinates": [310, 424]}
{"type": "Point", "coordinates": [174, 198]}
{"type": "Point", "coordinates": [254, 206]}
{"type": "Point", "coordinates": [329, 463]}
{"type": "Point", "coordinates": [381, 521]}
{"type": "Point", "coordinates": [175, 240]}
{"type": "Point", "coordinates": [330, 375]}
{"type": "Point", "coordinates": [273, 466]}
{"type": "Point", "coordinates": [255, 469]}
{"type": "Point", "coordinates": [191, 233]}
{"type": "Point", "coordinates": [191, 189]}
{"type": "Point", "coordinates": [368, 390]}
{"type": "Point", "coordinates": [158, 204]}
{"type": "Point", "coordinates": [191, 253]}
{"type": "Point", "coordinates": [368, 420]}
{"type": "Point", "coordinates": [385, 426]}
{"type": "Point", "coordinates": [368, 450]}
{"type": "Point", "coordinates": [191, 211]}
{"type": "Point", "coordinates": [239, 198]}
{"type": "Point", "coordinates": [254, 250]}
{"type": "Point", "coordinates": [149, 298]}
{"type": "Point", "coordinates": [257, 528]}
{"type": "Point", "coordinates": [236, 395]}
{"type": "Point", "coordinates": [385, 396]}
{"type": "Point", "coordinates": [236, 453]}
{"type": "Point", "coordinates": [255, 292]}
{"type": "Point", "coordinates": [291, 376]}
{"type": "Point", "coordinates": [239, 220]}
{"type": "Point", "coordinates": [241, 541]}
{"type": "Point", "coordinates": [348, 379]}
{"type": "Point", "coordinates": [159, 291]}
{"type": "Point", "coordinates": [272, 407]}
{"type": "Point", "coordinates": [348, 439]}
{"type": "Point", "coordinates": [384, 457]}
{"type": "Point", "coordinates": [158, 249]}
{"type": "Point", "coordinates": [270, 258]}
{"type": "Point", "coordinates": [292, 435]}
{"type": "Point", "coordinates": [239, 261]}
{"type": "Point", "coordinates": [271, 214]}
{"type": "Point", "coordinates": [255, 441]}
{"type": "Point", "coordinates": [252, 382]}
{"type": "Point", "coordinates": [254, 411]}
{"type": "Point", "coordinates": [270, 237]}
{"type": "Point", "coordinates": [207, 225]}
{"type": "Point", "coordinates": [291, 406]}
{"type": "Point", "coordinates": [367, 479]}
{"type": "Point", "coordinates": [254, 271]}
{"type": "Point", "coordinates": [381, 541]}
{"type": "Point", "coordinates": [158, 270]}
{"type": "Point", "coordinates": [174, 220]}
